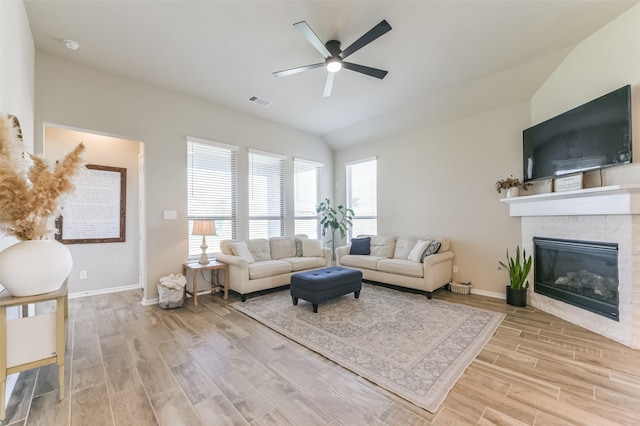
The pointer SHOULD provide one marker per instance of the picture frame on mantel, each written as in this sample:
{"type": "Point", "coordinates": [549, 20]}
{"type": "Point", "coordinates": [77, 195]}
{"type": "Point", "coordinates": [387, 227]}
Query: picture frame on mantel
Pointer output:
{"type": "Point", "coordinates": [568, 183]}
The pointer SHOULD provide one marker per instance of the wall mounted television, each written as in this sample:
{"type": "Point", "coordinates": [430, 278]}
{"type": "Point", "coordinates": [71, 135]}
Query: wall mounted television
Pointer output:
{"type": "Point", "coordinates": [591, 136]}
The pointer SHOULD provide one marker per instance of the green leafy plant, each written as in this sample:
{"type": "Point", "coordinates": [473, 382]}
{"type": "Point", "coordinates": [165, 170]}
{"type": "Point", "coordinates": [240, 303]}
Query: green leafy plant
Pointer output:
{"type": "Point", "coordinates": [518, 268]}
{"type": "Point", "coordinates": [334, 220]}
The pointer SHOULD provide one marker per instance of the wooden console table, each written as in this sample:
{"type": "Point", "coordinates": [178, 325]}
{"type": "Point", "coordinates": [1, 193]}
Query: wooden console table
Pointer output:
{"type": "Point", "coordinates": [213, 265]}
{"type": "Point", "coordinates": [32, 342]}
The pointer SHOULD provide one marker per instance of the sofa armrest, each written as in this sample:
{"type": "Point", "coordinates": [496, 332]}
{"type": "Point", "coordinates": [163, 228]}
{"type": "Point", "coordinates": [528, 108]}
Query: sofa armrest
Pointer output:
{"type": "Point", "coordinates": [438, 258]}
{"type": "Point", "coordinates": [438, 270]}
{"type": "Point", "coordinates": [230, 259]}
{"type": "Point", "coordinates": [326, 253]}
{"type": "Point", "coordinates": [238, 272]}
{"type": "Point", "coordinates": [342, 251]}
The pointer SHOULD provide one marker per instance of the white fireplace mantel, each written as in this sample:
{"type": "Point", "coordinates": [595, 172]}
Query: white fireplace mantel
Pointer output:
{"type": "Point", "coordinates": [606, 200]}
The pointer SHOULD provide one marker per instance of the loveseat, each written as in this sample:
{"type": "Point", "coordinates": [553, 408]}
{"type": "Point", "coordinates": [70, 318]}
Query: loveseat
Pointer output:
{"type": "Point", "coordinates": [261, 264]}
{"type": "Point", "coordinates": [418, 263]}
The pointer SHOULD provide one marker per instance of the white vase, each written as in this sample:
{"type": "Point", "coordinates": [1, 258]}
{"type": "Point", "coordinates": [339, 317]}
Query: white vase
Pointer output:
{"type": "Point", "coordinates": [34, 267]}
{"type": "Point", "coordinates": [512, 192]}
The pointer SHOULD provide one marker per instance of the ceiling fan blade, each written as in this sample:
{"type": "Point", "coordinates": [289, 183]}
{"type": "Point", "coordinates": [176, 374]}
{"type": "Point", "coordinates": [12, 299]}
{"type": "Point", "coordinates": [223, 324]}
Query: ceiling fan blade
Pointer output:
{"type": "Point", "coordinates": [296, 70]}
{"type": "Point", "coordinates": [328, 84]}
{"type": "Point", "coordinates": [382, 28]}
{"type": "Point", "coordinates": [373, 72]}
{"type": "Point", "coordinates": [312, 38]}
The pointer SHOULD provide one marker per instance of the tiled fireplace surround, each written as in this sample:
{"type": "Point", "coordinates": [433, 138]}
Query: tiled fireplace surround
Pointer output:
{"type": "Point", "coordinates": [607, 214]}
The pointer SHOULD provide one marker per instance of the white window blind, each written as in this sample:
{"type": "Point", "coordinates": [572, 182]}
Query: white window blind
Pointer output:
{"type": "Point", "coordinates": [307, 177]}
{"type": "Point", "coordinates": [362, 196]}
{"type": "Point", "coordinates": [266, 195]}
{"type": "Point", "coordinates": [211, 181]}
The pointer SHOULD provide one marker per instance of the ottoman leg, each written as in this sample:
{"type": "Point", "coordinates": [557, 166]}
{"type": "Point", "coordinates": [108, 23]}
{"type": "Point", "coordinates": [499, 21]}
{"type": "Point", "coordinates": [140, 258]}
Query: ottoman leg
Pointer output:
{"type": "Point", "coordinates": [315, 308]}
{"type": "Point", "coordinates": [295, 300]}
{"type": "Point", "coordinates": [357, 294]}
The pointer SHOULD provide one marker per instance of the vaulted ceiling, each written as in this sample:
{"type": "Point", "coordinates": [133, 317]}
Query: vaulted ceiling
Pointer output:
{"type": "Point", "coordinates": [439, 54]}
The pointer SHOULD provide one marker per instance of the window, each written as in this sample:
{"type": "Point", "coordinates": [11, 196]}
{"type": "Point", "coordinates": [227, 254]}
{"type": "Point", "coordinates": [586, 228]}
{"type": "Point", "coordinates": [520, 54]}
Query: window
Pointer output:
{"type": "Point", "coordinates": [266, 195]}
{"type": "Point", "coordinates": [362, 195]}
{"type": "Point", "coordinates": [211, 182]}
{"type": "Point", "coordinates": [307, 176]}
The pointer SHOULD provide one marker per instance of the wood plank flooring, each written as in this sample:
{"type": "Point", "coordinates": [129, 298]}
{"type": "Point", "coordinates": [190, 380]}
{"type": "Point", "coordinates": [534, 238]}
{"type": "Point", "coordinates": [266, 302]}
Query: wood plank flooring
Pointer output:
{"type": "Point", "coordinates": [127, 364]}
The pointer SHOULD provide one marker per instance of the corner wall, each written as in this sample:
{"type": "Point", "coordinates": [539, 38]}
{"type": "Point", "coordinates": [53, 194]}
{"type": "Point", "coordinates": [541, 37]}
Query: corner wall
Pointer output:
{"type": "Point", "coordinates": [440, 181]}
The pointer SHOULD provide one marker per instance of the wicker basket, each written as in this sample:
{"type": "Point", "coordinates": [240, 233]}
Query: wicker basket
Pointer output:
{"type": "Point", "coordinates": [460, 288]}
{"type": "Point", "coordinates": [169, 298]}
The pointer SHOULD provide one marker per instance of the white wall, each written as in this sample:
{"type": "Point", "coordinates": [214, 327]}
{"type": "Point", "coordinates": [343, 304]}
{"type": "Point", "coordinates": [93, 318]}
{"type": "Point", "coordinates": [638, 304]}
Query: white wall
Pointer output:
{"type": "Point", "coordinates": [17, 61]}
{"type": "Point", "coordinates": [76, 96]}
{"type": "Point", "coordinates": [440, 181]}
{"type": "Point", "coordinates": [107, 264]}
{"type": "Point", "coordinates": [605, 61]}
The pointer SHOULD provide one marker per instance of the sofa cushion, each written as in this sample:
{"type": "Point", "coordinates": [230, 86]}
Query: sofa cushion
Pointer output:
{"type": "Point", "coordinates": [282, 247]}
{"type": "Point", "coordinates": [444, 245]}
{"type": "Point", "coordinates": [401, 267]}
{"type": "Point", "coordinates": [240, 249]}
{"type": "Point", "coordinates": [360, 261]}
{"type": "Point", "coordinates": [404, 245]}
{"type": "Point", "coordinates": [260, 249]}
{"type": "Point", "coordinates": [418, 250]}
{"type": "Point", "coordinates": [311, 248]}
{"type": "Point", "coordinates": [433, 248]}
{"type": "Point", "coordinates": [382, 246]}
{"type": "Point", "coordinates": [302, 263]}
{"type": "Point", "coordinates": [361, 246]}
{"type": "Point", "coordinates": [299, 248]}
{"type": "Point", "coordinates": [268, 268]}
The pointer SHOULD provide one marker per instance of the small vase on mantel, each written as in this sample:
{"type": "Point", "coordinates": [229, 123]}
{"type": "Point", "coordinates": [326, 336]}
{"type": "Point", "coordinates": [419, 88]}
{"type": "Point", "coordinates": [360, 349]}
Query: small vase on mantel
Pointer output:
{"type": "Point", "coordinates": [513, 192]}
{"type": "Point", "coordinates": [34, 267]}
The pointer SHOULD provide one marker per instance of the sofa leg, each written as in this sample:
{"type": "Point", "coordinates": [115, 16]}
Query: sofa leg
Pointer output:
{"type": "Point", "coordinates": [295, 300]}
{"type": "Point", "coordinates": [429, 294]}
{"type": "Point", "coordinates": [357, 294]}
{"type": "Point", "coordinates": [243, 297]}
{"type": "Point", "coordinates": [315, 308]}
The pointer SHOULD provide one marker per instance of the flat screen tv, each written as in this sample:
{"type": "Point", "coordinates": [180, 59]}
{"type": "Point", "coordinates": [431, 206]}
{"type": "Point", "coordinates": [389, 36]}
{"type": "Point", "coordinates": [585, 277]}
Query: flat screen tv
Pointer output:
{"type": "Point", "coordinates": [589, 137]}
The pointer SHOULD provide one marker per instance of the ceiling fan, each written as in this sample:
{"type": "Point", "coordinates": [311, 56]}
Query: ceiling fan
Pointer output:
{"type": "Point", "coordinates": [334, 56]}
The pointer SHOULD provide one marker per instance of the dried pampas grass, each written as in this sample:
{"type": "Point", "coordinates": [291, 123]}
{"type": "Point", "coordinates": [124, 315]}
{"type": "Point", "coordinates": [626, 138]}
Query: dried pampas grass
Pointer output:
{"type": "Point", "coordinates": [30, 191]}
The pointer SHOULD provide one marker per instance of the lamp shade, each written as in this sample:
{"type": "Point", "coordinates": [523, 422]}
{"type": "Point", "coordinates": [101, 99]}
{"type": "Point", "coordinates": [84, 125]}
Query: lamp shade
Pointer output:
{"type": "Point", "coordinates": [204, 227]}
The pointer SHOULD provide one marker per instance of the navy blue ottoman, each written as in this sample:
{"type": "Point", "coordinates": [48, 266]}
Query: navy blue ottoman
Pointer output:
{"type": "Point", "coordinates": [323, 284]}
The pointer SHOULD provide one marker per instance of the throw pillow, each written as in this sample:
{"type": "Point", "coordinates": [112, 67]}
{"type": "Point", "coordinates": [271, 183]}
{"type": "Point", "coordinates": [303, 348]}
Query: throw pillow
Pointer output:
{"type": "Point", "coordinates": [432, 249]}
{"type": "Point", "coordinates": [311, 248]}
{"type": "Point", "coordinates": [240, 249]}
{"type": "Point", "coordinates": [299, 251]}
{"type": "Point", "coordinates": [415, 255]}
{"type": "Point", "coordinates": [361, 246]}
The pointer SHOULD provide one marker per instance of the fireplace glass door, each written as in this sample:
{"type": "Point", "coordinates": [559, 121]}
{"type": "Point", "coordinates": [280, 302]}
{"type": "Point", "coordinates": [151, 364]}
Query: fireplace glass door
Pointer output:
{"type": "Point", "coordinates": [582, 273]}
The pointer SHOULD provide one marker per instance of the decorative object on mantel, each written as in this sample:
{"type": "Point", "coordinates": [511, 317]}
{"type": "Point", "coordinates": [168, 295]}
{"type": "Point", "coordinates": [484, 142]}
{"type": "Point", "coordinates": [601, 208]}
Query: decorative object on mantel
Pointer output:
{"type": "Point", "coordinates": [568, 183]}
{"type": "Point", "coordinates": [30, 196]}
{"type": "Point", "coordinates": [511, 185]}
{"type": "Point", "coordinates": [204, 227]}
{"type": "Point", "coordinates": [518, 268]}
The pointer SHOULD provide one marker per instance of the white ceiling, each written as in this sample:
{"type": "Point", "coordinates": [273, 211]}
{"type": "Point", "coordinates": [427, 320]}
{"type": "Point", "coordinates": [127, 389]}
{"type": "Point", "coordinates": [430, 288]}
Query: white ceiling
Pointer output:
{"type": "Point", "coordinates": [226, 51]}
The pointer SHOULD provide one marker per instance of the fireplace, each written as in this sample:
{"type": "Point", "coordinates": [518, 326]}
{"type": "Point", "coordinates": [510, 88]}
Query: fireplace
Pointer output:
{"type": "Point", "coordinates": [581, 273]}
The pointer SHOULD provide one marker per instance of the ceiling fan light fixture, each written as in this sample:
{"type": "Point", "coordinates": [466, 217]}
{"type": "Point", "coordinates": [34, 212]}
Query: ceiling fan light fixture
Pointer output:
{"type": "Point", "coordinates": [334, 65]}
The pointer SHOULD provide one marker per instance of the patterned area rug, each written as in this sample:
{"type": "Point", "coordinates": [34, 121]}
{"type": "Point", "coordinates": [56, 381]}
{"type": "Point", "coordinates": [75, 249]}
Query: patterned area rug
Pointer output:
{"type": "Point", "coordinates": [405, 343]}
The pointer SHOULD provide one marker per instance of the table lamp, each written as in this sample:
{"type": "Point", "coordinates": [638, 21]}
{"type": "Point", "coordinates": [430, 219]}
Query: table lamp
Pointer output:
{"type": "Point", "coordinates": [204, 227]}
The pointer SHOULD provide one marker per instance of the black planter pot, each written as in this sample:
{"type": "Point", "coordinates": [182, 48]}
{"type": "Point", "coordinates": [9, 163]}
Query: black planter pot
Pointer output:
{"type": "Point", "coordinates": [516, 297]}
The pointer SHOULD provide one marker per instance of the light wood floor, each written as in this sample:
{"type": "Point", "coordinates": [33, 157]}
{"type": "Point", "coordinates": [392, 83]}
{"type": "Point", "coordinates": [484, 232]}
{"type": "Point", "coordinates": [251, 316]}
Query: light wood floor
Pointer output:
{"type": "Point", "coordinates": [133, 365]}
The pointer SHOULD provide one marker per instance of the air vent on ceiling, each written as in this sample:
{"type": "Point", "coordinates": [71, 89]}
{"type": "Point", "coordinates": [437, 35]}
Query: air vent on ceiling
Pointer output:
{"type": "Point", "coordinates": [259, 101]}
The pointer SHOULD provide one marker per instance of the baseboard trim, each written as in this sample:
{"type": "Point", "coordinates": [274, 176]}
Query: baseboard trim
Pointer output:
{"type": "Point", "coordinates": [103, 291]}
{"type": "Point", "coordinates": [149, 302]}
{"type": "Point", "coordinates": [489, 293]}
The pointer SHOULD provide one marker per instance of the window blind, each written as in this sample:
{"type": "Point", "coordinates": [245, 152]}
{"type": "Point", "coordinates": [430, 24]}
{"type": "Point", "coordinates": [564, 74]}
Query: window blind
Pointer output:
{"type": "Point", "coordinates": [307, 177]}
{"type": "Point", "coordinates": [211, 192]}
{"type": "Point", "coordinates": [362, 195]}
{"type": "Point", "coordinates": [266, 195]}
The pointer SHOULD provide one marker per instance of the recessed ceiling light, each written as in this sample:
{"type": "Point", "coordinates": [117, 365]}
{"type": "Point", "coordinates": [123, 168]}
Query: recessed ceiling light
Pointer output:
{"type": "Point", "coordinates": [71, 45]}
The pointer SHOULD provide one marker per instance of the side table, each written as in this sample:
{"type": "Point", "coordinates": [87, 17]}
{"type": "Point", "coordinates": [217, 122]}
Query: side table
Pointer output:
{"type": "Point", "coordinates": [213, 265]}
{"type": "Point", "coordinates": [32, 342]}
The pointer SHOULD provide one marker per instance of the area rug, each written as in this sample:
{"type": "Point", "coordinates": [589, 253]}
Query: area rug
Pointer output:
{"type": "Point", "coordinates": [412, 346]}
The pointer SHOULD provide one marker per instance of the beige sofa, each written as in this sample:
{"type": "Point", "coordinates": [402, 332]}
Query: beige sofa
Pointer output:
{"type": "Point", "coordinates": [261, 264]}
{"type": "Point", "coordinates": [389, 263]}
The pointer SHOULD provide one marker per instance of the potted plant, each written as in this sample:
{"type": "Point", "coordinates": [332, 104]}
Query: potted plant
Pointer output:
{"type": "Point", "coordinates": [30, 195]}
{"type": "Point", "coordinates": [511, 185]}
{"type": "Point", "coordinates": [518, 268]}
{"type": "Point", "coordinates": [334, 220]}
